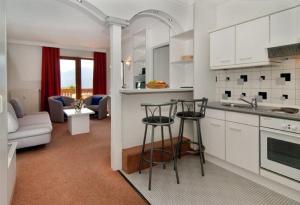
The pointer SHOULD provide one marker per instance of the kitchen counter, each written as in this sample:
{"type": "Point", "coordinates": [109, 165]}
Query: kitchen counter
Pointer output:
{"type": "Point", "coordinates": [260, 110]}
{"type": "Point", "coordinates": [147, 90]}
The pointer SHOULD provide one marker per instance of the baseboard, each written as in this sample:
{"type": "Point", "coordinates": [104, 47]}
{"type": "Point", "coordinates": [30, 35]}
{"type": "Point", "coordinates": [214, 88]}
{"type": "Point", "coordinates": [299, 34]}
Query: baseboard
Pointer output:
{"type": "Point", "coordinates": [270, 184]}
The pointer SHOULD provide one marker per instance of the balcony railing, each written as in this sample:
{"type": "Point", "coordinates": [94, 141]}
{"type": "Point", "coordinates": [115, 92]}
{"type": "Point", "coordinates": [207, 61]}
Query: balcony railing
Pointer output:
{"type": "Point", "coordinates": [70, 92]}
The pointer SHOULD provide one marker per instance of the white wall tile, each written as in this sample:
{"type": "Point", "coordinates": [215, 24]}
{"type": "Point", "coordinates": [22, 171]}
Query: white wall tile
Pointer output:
{"type": "Point", "coordinates": [254, 85]}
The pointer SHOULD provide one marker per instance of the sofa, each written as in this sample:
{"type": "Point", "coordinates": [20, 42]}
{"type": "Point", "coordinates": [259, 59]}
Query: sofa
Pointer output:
{"type": "Point", "coordinates": [30, 129]}
{"type": "Point", "coordinates": [97, 103]}
{"type": "Point", "coordinates": [56, 106]}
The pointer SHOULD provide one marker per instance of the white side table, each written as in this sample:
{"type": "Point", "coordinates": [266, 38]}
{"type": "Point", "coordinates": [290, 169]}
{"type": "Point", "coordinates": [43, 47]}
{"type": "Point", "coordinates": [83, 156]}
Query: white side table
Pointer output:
{"type": "Point", "coordinates": [78, 122]}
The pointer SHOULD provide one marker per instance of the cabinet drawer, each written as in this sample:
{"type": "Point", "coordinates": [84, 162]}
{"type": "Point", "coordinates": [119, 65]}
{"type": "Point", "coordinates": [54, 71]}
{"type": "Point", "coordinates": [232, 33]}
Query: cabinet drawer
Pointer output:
{"type": "Point", "coordinates": [242, 146]}
{"type": "Point", "coordinates": [242, 118]}
{"type": "Point", "coordinates": [216, 114]}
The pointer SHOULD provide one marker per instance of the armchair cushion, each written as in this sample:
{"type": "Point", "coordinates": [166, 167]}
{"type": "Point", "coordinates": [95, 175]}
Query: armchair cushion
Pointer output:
{"type": "Point", "coordinates": [96, 100]}
{"type": "Point", "coordinates": [61, 99]}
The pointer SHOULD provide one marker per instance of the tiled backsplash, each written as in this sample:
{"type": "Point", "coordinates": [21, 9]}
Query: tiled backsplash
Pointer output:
{"type": "Point", "coordinates": [278, 84]}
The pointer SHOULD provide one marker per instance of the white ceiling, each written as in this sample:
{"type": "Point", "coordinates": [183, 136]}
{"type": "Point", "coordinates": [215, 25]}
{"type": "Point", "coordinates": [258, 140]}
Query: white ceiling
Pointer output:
{"type": "Point", "coordinates": [60, 23]}
{"type": "Point", "coordinates": [54, 22]}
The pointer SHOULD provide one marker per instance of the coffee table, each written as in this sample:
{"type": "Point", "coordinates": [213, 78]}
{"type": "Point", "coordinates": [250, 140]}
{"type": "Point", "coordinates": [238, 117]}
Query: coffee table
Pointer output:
{"type": "Point", "coordinates": [78, 121]}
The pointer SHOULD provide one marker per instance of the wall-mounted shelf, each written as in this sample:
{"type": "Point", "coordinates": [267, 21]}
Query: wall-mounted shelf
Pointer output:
{"type": "Point", "coordinates": [182, 71]}
{"type": "Point", "coordinates": [182, 62]}
{"type": "Point", "coordinates": [185, 35]}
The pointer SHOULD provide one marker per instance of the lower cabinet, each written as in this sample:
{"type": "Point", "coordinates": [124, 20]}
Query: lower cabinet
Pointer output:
{"type": "Point", "coordinates": [213, 134]}
{"type": "Point", "coordinates": [233, 137]}
{"type": "Point", "coordinates": [242, 146]}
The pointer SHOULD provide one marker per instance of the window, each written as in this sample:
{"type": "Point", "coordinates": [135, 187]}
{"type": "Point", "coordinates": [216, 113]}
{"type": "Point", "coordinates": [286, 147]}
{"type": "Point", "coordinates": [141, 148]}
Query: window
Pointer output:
{"type": "Point", "coordinates": [67, 77]}
{"type": "Point", "coordinates": [87, 70]}
{"type": "Point", "coordinates": [76, 77]}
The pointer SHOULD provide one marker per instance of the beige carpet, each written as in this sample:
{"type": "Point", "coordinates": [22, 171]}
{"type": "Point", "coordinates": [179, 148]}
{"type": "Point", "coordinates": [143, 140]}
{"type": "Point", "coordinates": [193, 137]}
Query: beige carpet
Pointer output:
{"type": "Point", "coordinates": [72, 170]}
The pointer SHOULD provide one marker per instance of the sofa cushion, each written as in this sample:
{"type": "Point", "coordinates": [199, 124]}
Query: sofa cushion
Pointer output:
{"type": "Point", "coordinates": [61, 99]}
{"type": "Point", "coordinates": [12, 120]}
{"type": "Point", "coordinates": [30, 131]}
{"type": "Point", "coordinates": [35, 118]}
{"type": "Point", "coordinates": [96, 100]}
{"type": "Point", "coordinates": [17, 107]}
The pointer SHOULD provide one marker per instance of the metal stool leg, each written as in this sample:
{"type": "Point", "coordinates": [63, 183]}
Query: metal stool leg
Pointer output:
{"type": "Point", "coordinates": [151, 157]}
{"type": "Point", "coordinates": [174, 154]}
{"type": "Point", "coordinates": [162, 147]}
{"type": "Point", "coordinates": [201, 142]}
{"type": "Point", "coordinates": [200, 147]}
{"type": "Point", "coordinates": [143, 149]}
{"type": "Point", "coordinates": [180, 137]}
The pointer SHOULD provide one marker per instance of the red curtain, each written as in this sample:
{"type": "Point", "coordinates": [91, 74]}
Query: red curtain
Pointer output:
{"type": "Point", "coordinates": [99, 78]}
{"type": "Point", "coordinates": [50, 76]}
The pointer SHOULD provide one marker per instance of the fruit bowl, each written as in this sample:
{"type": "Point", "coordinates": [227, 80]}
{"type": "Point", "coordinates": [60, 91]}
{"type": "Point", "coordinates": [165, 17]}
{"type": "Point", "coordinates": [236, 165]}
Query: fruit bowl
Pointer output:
{"type": "Point", "coordinates": [155, 84]}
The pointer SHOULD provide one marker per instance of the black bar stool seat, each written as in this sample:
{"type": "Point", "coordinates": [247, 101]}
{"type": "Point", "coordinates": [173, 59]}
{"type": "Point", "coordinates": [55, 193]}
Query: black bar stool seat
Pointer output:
{"type": "Point", "coordinates": [158, 121]}
{"type": "Point", "coordinates": [155, 118]}
{"type": "Point", "coordinates": [189, 115]}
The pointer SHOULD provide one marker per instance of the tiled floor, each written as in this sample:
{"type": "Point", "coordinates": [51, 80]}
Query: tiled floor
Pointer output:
{"type": "Point", "coordinates": [218, 187]}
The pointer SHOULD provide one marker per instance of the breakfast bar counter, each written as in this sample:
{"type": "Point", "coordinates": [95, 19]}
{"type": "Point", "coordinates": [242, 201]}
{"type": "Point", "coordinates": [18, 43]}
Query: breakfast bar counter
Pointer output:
{"type": "Point", "coordinates": [147, 90]}
{"type": "Point", "coordinates": [132, 112]}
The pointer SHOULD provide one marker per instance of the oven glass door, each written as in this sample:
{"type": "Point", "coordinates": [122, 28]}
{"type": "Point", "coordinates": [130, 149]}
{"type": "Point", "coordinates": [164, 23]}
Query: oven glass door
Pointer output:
{"type": "Point", "coordinates": [280, 152]}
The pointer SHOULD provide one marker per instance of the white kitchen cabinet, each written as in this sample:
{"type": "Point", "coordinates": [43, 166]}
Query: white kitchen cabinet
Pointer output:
{"type": "Point", "coordinates": [213, 135]}
{"type": "Point", "coordinates": [252, 39]}
{"type": "Point", "coordinates": [242, 146]}
{"type": "Point", "coordinates": [285, 27]}
{"type": "Point", "coordinates": [222, 47]}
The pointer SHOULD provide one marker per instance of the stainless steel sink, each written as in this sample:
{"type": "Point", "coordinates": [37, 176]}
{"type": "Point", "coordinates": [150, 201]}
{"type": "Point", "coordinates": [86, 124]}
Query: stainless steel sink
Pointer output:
{"type": "Point", "coordinates": [237, 105]}
{"type": "Point", "coordinates": [287, 110]}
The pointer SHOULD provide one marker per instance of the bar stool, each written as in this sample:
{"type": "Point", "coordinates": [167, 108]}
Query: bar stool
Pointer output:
{"type": "Point", "coordinates": [192, 110]}
{"type": "Point", "coordinates": [155, 119]}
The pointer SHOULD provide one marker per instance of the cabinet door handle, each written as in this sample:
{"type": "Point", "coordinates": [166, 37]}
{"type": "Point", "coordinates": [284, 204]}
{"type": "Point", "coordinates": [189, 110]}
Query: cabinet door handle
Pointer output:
{"type": "Point", "coordinates": [235, 129]}
{"type": "Point", "coordinates": [244, 59]}
{"type": "Point", "coordinates": [225, 61]}
{"type": "Point", "coordinates": [214, 124]}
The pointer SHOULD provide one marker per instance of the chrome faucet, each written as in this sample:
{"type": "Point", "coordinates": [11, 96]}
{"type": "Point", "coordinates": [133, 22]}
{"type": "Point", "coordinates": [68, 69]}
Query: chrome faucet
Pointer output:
{"type": "Point", "coordinates": [253, 102]}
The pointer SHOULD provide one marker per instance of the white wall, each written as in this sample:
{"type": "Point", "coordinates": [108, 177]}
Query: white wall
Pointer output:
{"type": "Point", "coordinates": [24, 67]}
{"type": "Point", "coordinates": [205, 20]}
{"type": "Point", "coordinates": [235, 11]}
{"type": "Point", "coordinates": [24, 72]}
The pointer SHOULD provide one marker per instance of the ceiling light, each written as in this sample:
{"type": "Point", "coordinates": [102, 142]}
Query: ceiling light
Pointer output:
{"type": "Point", "coordinates": [80, 1]}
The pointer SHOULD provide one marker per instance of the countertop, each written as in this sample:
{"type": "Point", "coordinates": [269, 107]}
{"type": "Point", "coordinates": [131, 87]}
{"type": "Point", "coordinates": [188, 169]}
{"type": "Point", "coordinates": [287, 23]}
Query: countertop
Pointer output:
{"type": "Point", "coordinates": [149, 91]}
{"type": "Point", "coordinates": [259, 111]}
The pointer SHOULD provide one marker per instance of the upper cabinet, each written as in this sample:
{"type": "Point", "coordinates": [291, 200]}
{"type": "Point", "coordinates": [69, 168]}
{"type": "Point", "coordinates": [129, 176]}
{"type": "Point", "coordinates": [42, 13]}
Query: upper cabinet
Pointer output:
{"type": "Point", "coordinates": [222, 47]}
{"type": "Point", "coordinates": [243, 45]}
{"type": "Point", "coordinates": [252, 39]}
{"type": "Point", "coordinates": [285, 27]}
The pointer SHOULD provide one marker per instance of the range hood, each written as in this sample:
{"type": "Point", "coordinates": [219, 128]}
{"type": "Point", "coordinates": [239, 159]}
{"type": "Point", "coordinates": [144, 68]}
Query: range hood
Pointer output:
{"type": "Point", "coordinates": [284, 50]}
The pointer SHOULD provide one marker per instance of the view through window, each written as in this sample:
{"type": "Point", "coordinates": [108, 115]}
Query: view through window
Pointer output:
{"type": "Point", "coordinates": [76, 77]}
{"type": "Point", "coordinates": [87, 69]}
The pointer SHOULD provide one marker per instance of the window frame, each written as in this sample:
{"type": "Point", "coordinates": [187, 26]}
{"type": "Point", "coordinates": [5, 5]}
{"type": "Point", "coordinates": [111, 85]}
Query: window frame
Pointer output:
{"type": "Point", "coordinates": [77, 71]}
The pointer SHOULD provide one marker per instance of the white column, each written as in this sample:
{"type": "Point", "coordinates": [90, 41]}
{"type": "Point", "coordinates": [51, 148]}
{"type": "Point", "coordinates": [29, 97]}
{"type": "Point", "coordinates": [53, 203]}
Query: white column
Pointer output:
{"type": "Point", "coordinates": [3, 118]}
{"type": "Point", "coordinates": [116, 100]}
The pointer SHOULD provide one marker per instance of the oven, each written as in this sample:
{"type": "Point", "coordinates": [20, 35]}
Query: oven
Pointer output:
{"type": "Point", "coordinates": [280, 147]}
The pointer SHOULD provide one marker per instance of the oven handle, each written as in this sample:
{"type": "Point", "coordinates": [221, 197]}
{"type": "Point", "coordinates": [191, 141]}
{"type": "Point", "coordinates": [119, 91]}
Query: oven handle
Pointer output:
{"type": "Point", "coordinates": [280, 132]}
